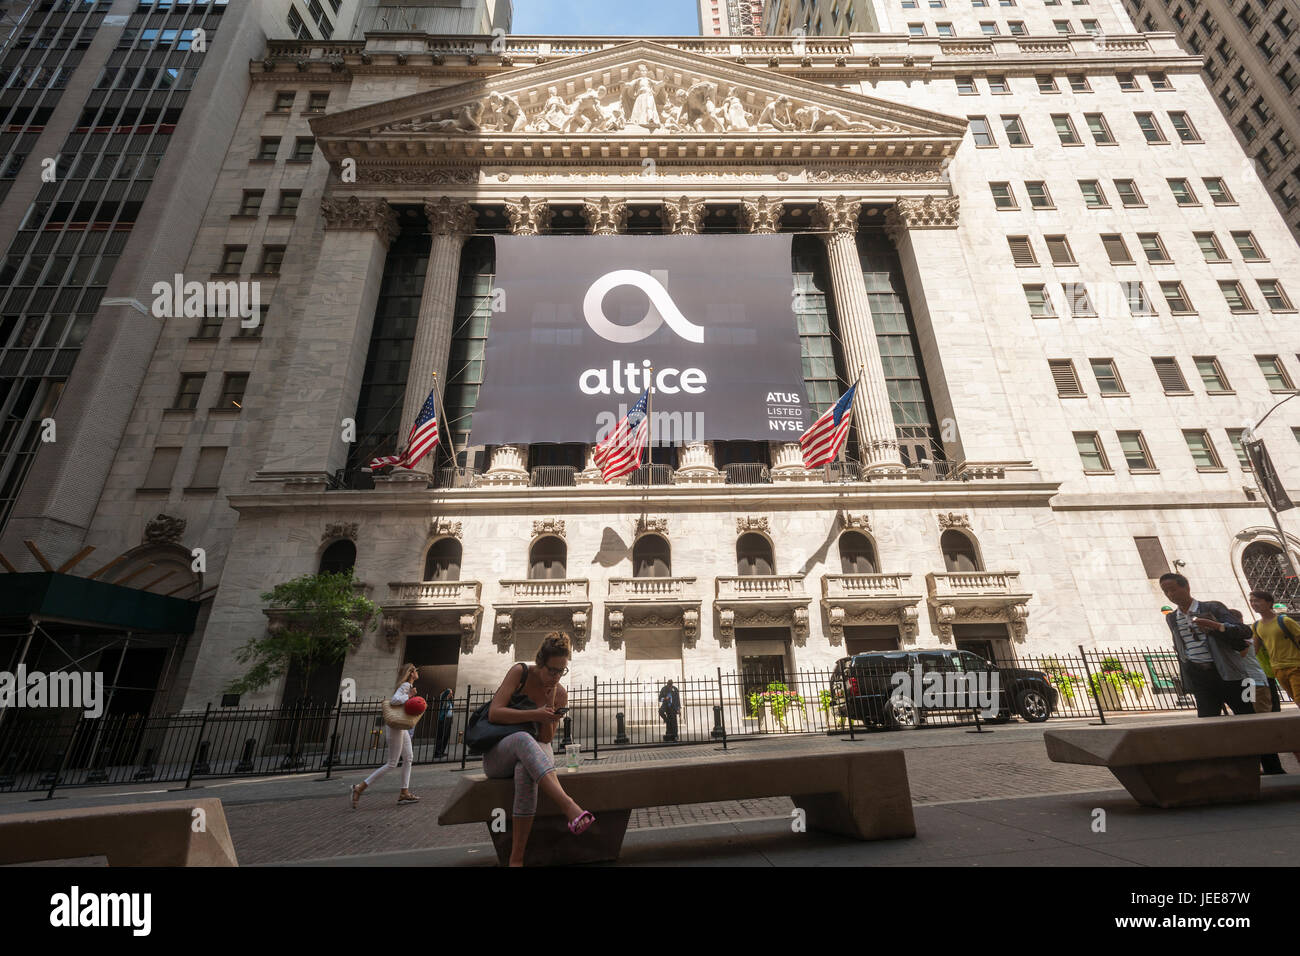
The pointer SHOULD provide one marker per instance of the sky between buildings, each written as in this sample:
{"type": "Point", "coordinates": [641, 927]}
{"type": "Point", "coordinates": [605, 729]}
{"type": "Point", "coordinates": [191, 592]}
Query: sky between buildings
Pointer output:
{"type": "Point", "coordinates": [607, 17]}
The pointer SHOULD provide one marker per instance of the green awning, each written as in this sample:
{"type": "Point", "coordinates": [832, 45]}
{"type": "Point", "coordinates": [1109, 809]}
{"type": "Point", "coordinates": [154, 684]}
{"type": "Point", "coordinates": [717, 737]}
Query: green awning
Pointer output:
{"type": "Point", "coordinates": [46, 594]}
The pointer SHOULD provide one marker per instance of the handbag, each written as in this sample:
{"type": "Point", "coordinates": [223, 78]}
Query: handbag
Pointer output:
{"type": "Point", "coordinates": [481, 735]}
{"type": "Point", "coordinates": [395, 716]}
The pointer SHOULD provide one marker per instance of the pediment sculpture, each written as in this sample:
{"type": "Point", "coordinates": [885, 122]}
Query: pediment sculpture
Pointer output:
{"type": "Point", "coordinates": [643, 104]}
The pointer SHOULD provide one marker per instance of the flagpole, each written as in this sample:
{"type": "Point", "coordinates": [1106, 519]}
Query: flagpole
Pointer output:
{"type": "Point", "coordinates": [442, 417]}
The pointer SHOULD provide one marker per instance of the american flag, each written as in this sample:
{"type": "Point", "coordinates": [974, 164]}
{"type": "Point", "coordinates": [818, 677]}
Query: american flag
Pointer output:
{"type": "Point", "coordinates": [823, 441]}
{"type": "Point", "coordinates": [620, 453]}
{"type": "Point", "coordinates": [423, 437]}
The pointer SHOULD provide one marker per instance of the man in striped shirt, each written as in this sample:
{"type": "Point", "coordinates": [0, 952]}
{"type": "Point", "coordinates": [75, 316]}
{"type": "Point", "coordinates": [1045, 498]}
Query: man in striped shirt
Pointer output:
{"type": "Point", "coordinates": [1208, 641]}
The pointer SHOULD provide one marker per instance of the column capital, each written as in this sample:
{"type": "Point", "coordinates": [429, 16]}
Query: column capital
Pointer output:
{"type": "Point", "coordinates": [761, 215]}
{"type": "Point", "coordinates": [683, 216]}
{"type": "Point", "coordinates": [927, 212]}
{"type": "Point", "coordinates": [528, 216]}
{"type": "Point", "coordinates": [838, 215]}
{"type": "Point", "coordinates": [352, 212]}
{"type": "Point", "coordinates": [450, 217]}
{"type": "Point", "coordinates": [605, 216]}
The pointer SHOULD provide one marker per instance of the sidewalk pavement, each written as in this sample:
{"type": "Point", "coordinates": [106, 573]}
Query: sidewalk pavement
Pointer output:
{"type": "Point", "coordinates": [979, 798]}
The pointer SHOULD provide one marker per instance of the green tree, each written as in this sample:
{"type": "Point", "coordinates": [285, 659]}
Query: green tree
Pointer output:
{"type": "Point", "coordinates": [315, 620]}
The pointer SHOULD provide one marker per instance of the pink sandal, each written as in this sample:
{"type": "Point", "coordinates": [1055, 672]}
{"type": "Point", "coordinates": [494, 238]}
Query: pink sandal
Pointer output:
{"type": "Point", "coordinates": [581, 823]}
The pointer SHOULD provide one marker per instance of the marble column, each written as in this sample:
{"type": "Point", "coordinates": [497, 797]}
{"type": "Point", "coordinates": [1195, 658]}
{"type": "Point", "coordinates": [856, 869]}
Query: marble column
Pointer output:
{"type": "Point", "coordinates": [451, 222]}
{"type": "Point", "coordinates": [509, 465]}
{"type": "Point", "coordinates": [683, 216]}
{"type": "Point", "coordinates": [872, 417]}
{"type": "Point", "coordinates": [326, 362]}
{"type": "Point", "coordinates": [605, 216]}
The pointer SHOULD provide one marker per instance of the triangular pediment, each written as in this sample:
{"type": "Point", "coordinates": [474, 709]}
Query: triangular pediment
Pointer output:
{"type": "Point", "coordinates": [638, 92]}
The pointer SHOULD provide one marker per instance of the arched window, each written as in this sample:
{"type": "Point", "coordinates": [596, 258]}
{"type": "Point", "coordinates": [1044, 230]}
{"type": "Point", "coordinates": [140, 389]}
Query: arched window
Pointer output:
{"type": "Point", "coordinates": [442, 563]}
{"type": "Point", "coordinates": [546, 558]}
{"type": "Point", "coordinates": [339, 556]}
{"type": "Point", "coordinates": [754, 555]}
{"type": "Point", "coordinates": [651, 557]}
{"type": "Point", "coordinates": [1265, 570]}
{"type": "Point", "coordinates": [959, 552]}
{"type": "Point", "coordinates": [857, 555]}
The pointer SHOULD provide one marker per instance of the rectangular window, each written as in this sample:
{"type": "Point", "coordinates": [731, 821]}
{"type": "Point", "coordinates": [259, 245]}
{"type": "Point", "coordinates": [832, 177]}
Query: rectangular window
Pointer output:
{"type": "Point", "coordinates": [966, 85]}
{"type": "Point", "coordinates": [988, 29]}
{"type": "Point", "coordinates": [1154, 562]}
{"type": "Point", "coordinates": [1207, 366]}
{"type": "Point", "coordinates": [207, 471]}
{"type": "Point", "coordinates": [284, 101]}
{"type": "Point", "coordinates": [998, 84]}
{"type": "Point", "coordinates": [1093, 197]}
{"type": "Point", "coordinates": [316, 102]}
{"type": "Point", "coordinates": [1274, 373]}
{"type": "Point", "coordinates": [1128, 82]}
{"type": "Point", "coordinates": [1022, 253]}
{"type": "Point", "coordinates": [269, 147]}
{"type": "Point", "coordinates": [1136, 454]}
{"type": "Point", "coordinates": [1015, 132]}
{"type": "Point", "coordinates": [1003, 198]}
{"type": "Point", "coordinates": [916, 29]}
{"type": "Point", "coordinates": [1234, 439]}
{"type": "Point", "coordinates": [1076, 297]}
{"type": "Point", "coordinates": [187, 396]}
{"type": "Point", "coordinates": [1101, 134]}
{"type": "Point", "coordinates": [161, 469]}
{"type": "Point", "coordinates": [1182, 191]}
{"type": "Point", "coordinates": [1062, 27]}
{"type": "Point", "coordinates": [1184, 128]}
{"type": "Point", "coordinates": [256, 329]}
{"type": "Point", "coordinates": [1091, 453]}
{"type": "Point", "coordinates": [1203, 454]}
{"type": "Point", "coordinates": [1107, 375]}
{"type": "Point", "coordinates": [232, 260]}
{"type": "Point", "coordinates": [232, 391]}
{"type": "Point", "coordinates": [1171, 376]}
{"type": "Point", "coordinates": [1218, 191]}
{"type": "Point", "coordinates": [1046, 83]}
{"type": "Point", "coordinates": [272, 257]}
{"type": "Point", "coordinates": [1159, 81]}
{"type": "Point", "coordinates": [1058, 247]}
{"type": "Point", "coordinates": [288, 202]}
{"type": "Point", "coordinates": [1065, 377]}
{"type": "Point", "coordinates": [1016, 28]}
{"type": "Point", "coordinates": [1176, 296]}
{"type": "Point", "coordinates": [1274, 295]}
{"type": "Point", "coordinates": [1040, 305]}
{"type": "Point", "coordinates": [251, 203]}
{"type": "Point", "coordinates": [1091, 27]}
{"type": "Point", "coordinates": [1210, 248]}
{"type": "Point", "coordinates": [1248, 247]}
{"type": "Point", "coordinates": [210, 327]}
{"type": "Point", "coordinates": [979, 128]}
{"type": "Point", "coordinates": [303, 147]}
{"type": "Point", "coordinates": [1235, 295]}
{"type": "Point", "coordinates": [1153, 247]}
{"type": "Point", "coordinates": [1138, 303]}
{"type": "Point", "coordinates": [1128, 191]}
{"type": "Point", "coordinates": [1079, 83]}
{"type": "Point", "coordinates": [1065, 129]}
{"type": "Point", "coordinates": [1116, 250]}
{"type": "Point", "coordinates": [1039, 197]}
{"type": "Point", "coordinates": [1150, 128]}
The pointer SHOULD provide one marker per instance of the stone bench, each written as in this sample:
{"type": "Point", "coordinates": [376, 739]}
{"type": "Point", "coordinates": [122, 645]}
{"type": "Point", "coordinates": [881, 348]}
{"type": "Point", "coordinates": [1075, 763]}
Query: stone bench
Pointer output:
{"type": "Point", "coordinates": [145, 834]}
{"type": "Point", "coordinates": [863, 794]}
{"type": "Point", "coordinates": [1181, 763]}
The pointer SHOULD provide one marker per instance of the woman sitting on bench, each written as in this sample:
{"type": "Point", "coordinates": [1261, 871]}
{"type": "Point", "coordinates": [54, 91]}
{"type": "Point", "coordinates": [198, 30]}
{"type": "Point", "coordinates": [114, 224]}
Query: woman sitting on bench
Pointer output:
{"type": "Point", "coordinates": [522, 755]}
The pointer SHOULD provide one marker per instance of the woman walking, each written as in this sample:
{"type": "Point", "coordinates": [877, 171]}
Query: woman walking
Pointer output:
{"type": "Point", "coordinates": [522, 755]}
{"type": "Point", "coordinates": [399, 743]}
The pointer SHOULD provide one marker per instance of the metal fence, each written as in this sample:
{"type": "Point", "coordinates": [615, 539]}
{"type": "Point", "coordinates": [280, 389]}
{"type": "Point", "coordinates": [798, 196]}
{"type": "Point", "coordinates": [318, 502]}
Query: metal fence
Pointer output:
{"type": "Point", "coordinates": [49, 750]}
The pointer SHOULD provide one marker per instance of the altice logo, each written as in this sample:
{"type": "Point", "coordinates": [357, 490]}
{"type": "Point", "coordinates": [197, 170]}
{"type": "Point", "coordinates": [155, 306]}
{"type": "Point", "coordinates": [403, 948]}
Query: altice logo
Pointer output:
{"type": "Point", "coordinates": [83, 690]}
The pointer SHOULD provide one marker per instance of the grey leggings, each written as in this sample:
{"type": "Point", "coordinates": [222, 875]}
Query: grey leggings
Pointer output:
{"type": "Point", "coordinates": [520, 755]}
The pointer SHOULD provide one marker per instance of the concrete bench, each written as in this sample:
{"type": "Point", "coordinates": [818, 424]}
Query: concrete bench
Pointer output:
{"type": "Point", "coordinates": [147, 834]}
{"type": "Point", "coordinates": [863, 794]}
{"type": "Point", "coordinates": [1181, 763]}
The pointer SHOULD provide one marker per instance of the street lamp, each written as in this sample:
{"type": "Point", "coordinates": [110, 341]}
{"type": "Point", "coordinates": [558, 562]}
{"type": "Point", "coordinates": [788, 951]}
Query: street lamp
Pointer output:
{"type": "Point", "coordinates": [1248, 439]}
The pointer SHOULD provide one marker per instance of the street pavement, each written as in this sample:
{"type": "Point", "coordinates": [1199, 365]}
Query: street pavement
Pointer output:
{"type": "Point", "coordinates": [980, 799]}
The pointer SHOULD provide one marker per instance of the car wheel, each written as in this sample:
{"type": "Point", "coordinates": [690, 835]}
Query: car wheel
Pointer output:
{"type": "Point", "coordinates": [1033, 706]}
{"type": "Point", "coordinates": [901, 713]}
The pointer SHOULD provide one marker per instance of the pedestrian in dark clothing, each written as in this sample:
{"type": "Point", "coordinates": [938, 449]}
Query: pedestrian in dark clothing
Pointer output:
{"type": "Point", "coordinates": [670, 705]}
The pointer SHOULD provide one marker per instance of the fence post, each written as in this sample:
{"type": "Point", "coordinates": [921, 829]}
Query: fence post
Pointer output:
{"type": "Point", "coordinates": [464, 744]}
{"type": "Point", "coordinates": [67, 754]}
{"type": "Point", "coordinates": [1092, 684]}
{"type": "Point", "coordinates": [197, 744]}
{"type": "Point", "coordinates": [334, 738]}
{"type": "Point", "coordinates": [723, 705]}
{"type": "Point", "coordinates": [595, 715]}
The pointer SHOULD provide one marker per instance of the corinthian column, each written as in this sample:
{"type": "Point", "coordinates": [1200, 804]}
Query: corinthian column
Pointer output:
{"type": "Point", "coordinates": [761, 216]}
{"type": "Point", "coordinates": [871, 414]}
{"type": "Point", "coordinates": [451, 222]}
{"type": "Point", "coordinates": [509, 465]}
{"type": "Point", "coordinates": [605, 216]}
{"type": "Point", "coordinates": [683, 216]}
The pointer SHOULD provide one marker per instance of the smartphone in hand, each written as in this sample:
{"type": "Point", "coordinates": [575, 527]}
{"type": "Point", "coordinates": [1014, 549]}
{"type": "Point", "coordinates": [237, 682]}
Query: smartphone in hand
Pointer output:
{"type": "Point", "coordinates": [561, 711]}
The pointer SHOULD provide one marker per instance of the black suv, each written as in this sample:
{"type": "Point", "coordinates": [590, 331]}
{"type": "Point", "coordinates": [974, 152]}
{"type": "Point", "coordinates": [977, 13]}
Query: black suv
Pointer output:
{"type": "Point", "coordinates": [862, 687]}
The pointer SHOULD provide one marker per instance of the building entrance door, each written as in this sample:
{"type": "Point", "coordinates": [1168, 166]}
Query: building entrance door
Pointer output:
{"type": "Point", "coordinates": [436, 656]}
{"type": "Point", "coordinates": [764, 657]}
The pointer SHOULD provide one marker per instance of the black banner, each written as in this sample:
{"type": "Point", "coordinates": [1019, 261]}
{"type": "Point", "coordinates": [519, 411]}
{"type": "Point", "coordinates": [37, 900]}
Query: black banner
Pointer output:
{"type": "Point", "coordinates": [579, 321]}
{"type": "Point", "coordinates": [1269, 481]}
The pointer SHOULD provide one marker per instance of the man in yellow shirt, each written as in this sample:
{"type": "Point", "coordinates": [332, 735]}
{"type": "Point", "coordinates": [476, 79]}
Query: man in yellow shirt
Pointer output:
{"type": "Point", "coordinates": [1279, 637]}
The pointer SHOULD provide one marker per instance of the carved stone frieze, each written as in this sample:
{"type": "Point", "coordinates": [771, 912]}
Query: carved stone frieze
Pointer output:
{"type": "Point", "coordinates": [753, 523]}
{"type": "Point", "coordinates": [352, 212]}
{"type": "Point", "coordinates": [164, 529]}
{"type": "Point", "coordinates": [345, 529]}
{"type": "Point", "coordinates": [444, 528]}
{"type": "Point", "coordinates": [419, 175]}
{"type": "Point", "coordinates": [647, 525]}
{"type": "Point", "coordinates": [855, 522]}
{"type": "Point", "coordinates": [952, 519]}
{"type": "Point", "coordinates": [553, 526]}
{"type": "Point", "coordinates": [927, 212]}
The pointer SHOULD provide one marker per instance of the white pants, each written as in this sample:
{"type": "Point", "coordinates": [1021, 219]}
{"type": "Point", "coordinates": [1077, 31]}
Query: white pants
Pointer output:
{"type": "Point", "coordinates": [399, 746]}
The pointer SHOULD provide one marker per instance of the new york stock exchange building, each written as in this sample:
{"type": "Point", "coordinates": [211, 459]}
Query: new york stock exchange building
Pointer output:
{"type": "Point", "coordinates": [1006, 241]}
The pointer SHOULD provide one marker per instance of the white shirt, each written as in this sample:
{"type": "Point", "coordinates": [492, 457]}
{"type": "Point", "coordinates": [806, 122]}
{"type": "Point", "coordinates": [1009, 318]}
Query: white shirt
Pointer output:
{"type": "Point", "coordinates": [1196, 643]}
{"type": "Point", "coordinates": [403, 693]}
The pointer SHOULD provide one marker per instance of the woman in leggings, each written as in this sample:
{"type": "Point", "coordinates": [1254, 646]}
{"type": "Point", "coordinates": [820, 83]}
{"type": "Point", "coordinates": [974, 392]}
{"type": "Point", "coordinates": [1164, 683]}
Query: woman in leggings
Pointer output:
{"type": "Point", "coordinates": [399, 744]}
{"type": "Point", "coordinates": [524, 757]}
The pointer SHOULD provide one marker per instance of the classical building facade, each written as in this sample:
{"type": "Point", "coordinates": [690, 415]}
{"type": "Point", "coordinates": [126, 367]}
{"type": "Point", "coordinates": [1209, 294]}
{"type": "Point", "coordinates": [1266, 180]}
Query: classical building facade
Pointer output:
{"type": "Point", "coordinates": [1065, 289]}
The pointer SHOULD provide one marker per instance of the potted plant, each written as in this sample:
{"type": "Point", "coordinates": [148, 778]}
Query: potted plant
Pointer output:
{"type": "Point", "coordinates": [1061, 679]}
{"type": "Point", "coordinates": [1112, 681]}
{"type": "Point", "coordinates": [777, 705]}
{"type": "Point", "coordinates": [826, 700]}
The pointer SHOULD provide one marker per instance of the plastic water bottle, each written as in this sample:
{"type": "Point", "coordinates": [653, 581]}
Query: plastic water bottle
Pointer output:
{"type": "Point", "coordinates": [571, 753]}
